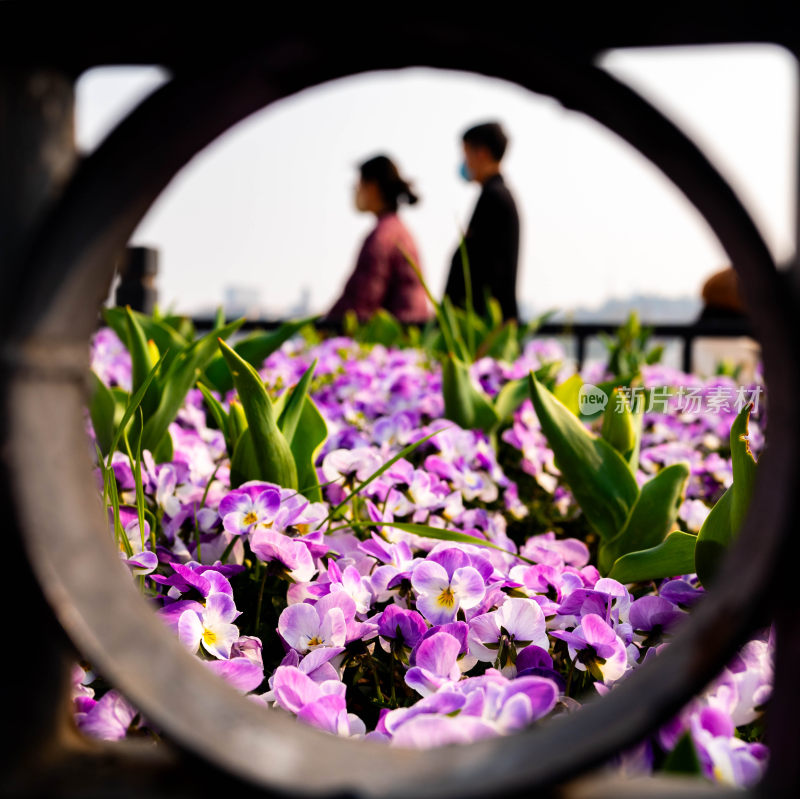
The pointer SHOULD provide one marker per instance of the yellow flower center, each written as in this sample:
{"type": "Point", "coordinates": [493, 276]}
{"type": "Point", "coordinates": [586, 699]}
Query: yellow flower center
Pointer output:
{"type": "Point", "coordinates": [250, 518]}
{"type": "Point", "coordinates": [314, 641]}
{"type": "Point", "coordinates": [447, 598]}
{"type": "Point", "coordinates": [209, 636]}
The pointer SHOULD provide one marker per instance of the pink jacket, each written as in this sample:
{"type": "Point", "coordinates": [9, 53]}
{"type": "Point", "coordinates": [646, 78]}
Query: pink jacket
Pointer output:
{"type": "Point", "coordinates": [383, 277]}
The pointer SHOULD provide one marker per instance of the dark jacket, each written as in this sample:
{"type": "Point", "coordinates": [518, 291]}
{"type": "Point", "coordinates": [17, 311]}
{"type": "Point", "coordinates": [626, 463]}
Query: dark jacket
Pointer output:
{"type": "Point", "coordinates": [492, 243]}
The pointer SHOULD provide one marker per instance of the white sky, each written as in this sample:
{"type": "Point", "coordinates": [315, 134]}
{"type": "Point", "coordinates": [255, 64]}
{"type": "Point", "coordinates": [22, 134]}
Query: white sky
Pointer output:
{"type": "Point", "coordinates": [268, 206]}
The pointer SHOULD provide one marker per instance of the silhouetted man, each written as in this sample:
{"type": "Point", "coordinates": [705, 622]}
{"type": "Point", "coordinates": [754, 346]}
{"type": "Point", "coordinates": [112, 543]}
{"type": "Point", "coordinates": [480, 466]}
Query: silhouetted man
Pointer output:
{"type": "Point", "coordinates": [492, 238]}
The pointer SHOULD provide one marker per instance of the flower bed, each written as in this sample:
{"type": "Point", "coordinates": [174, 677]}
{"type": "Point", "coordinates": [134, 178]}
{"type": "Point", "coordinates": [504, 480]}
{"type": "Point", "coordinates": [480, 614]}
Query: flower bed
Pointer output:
{"type": "Point", "coordinates": [407, 562]}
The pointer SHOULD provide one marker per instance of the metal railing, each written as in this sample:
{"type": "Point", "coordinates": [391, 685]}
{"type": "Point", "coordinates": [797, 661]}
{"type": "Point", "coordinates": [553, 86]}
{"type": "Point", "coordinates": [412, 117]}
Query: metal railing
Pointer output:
{"type": "Point", "coordinates": [580, 332]}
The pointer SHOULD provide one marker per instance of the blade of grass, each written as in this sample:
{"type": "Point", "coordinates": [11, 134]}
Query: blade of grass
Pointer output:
{"type": "Point", "coordinates": [437, 308]}
{"type": "Point", "coordinates": [228, 549]}
{"type": "Point", "coordinates": [460, 345]}
{"type": "Point", "coordinates": [219, 318]}
{"type": "Point", "coordinates": [133, 404]}
{"type": "Point", "coordinates": [136, 466]}
{"type": "Point", "coordinates": [439, 534]}
{"type": "Point", "coordinates": [378, 472]}
{"type": "Point", "coordinates": [470, 306]}
{"type": "Point", "coordinates": [120, 534]}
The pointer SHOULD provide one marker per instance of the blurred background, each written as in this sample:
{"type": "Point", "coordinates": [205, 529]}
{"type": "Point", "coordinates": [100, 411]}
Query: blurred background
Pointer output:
{"type": "Point", "coordinates": [263, 220]}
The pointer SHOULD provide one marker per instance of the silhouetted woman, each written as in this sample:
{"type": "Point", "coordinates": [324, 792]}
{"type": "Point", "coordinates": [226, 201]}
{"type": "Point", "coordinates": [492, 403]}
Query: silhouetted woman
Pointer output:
{"type": "Point", "coordinates": [382, 277]}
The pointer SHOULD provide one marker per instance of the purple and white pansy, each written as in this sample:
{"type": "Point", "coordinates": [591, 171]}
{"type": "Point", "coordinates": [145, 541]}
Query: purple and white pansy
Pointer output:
{"type": "Point", "coordinates": [364, 629]}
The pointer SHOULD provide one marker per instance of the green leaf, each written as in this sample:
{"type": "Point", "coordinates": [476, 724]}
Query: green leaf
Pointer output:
{"type": "Point", "coordinates": [133, 404]}
{"type": "Point", "coordinates": [652, 516]}
{"type": "Point", "coordinates": [140, 354]}
{"type": "Point", "coordinates": [102, 409]}
{"type": "Point", "coordinates": [310, 435]}
{"type": "Point", "coordinates": [254, 349]}
{"type": "Point", "coordinates": [744, 469]}
{"type": "Point", "coordinates": [219, 318]}
{"type": "Point", "coordinates": [218, 414]}
{"type": "Point", "coordinates": [437, 533]}
{"type": "Point", "coordinates": [465, 404]}
{"type": "Point", "coordinates": [237, 423]}
{"type": "Point", "coordinates": [179, 377]}
{"type": "Point", "coordinates": [683, 758]}
{"type": "Point", "coordinates": [622, 428]}
{"type": "Point", "coordinates": [547, 374]}
{"type": "Point", "coordinates": [244, 464]}
{"type": "Point", "coordinates": [726, 517]}
{"type": "Point", "coordinates": [460, 346]}
{"type": "Point", "coordinates": [501, 343]}
{"type": "Point", "coordinates": [141, 363]}
{"type": "Point", "coordinates": [182, 325]}
{"type": "Point", "coordinates": [509, 398]}
{"type": "Point", "coordinates": [136, 468]}
{"type": "Point", "coordinates": [294, 405]}
{"type": "Point", "coordinates": [495, 313]}
{"type": "Point", "coordinates": [163, 450]}
{"type": "Point", "coordinates": [121, 399]}
{"type": "Point", "coordinates": [272, 456]}
{"type": "Point", "coordinates": [671, 558]}
{"type": "Point", "coordinates": [168, 340]}
{"type": "Point", "coordinates": [381, 328]}
{"type": "Point", "coordinates": [472, 326]}
{"type": "Point", "coordinates": [279, 404]}
{"type": "Point", "coordinates": [598, 477]}
{"type": "Point", "coordinates": [713, 538]}
{"type": "Point", "coordinates": [568, 393]}
{"type": "Point", "coordinates": [654, 355]}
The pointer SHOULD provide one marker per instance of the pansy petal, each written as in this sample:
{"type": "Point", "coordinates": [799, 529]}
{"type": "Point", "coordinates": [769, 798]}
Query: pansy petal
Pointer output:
{"type": "Point", "coordinates": [542, 694]}
{"type": "Point", "coordinates": [333, 629]}
{"type": "Point", "coordinates": [236, 523]}
{"type": "Point", "coordinates": [190, 630]}
{"type": "Point", "coordinates": [424, 682]}
{"type": "Point", "coordinates": [219, 639]}
{"type": "Point", "coordinates": [523, 618]}
{"type": "Point", "coordinates": [430, 577]}
{"type": "Point", "coordinates": [436, 609]}
{"type": "Point", "coordinates": [220, 608]}
{"type": "Point", "coordinates": [143, 563]}
{"type": "Point", "coordinates": [438, 654]}
{"type": "Point", "coordinates": [218, 582]}
{"type": "Point", "coordinates": [293, 689]}
{"type": "Point", "coordinates": [515, 713]}
{"type": "Point", "coordinates": [428, 731]}
{"type": "Point", "coordinates": [240, 672]}
{"type": "Point", "coordinates": [327, 713]}
{"type": "Point", "coordinates": [297, 624]}
{"type": "Point", "coordinates": [339, 599]}
{"type": "Point", "coordinates": [451, 559]}
{"type": "Point", "coordinates": [319, 657]}
{"type": "Point", "coordinates": [467, 584]}
{"type": "Point", "coordinates": [596, 631]}
{"type": "Point", "coordinates": [109, 718]}
{"type": "Point", "coordinates": [483, 630]}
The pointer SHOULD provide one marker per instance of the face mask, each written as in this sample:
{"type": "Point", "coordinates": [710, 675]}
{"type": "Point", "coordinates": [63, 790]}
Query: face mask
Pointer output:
{"type": "Point", "coordinates": [464, 172]}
